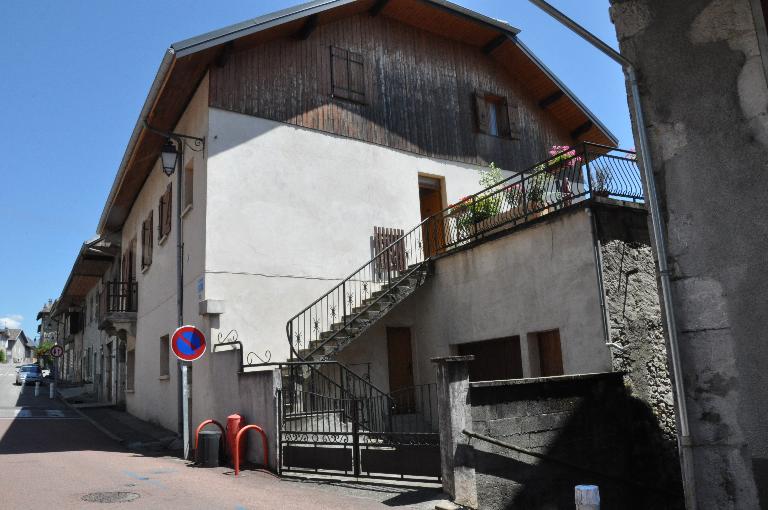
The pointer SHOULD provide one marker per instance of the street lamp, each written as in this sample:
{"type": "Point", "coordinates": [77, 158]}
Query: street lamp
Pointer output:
{"type": "Point", "coordinates": [169, 157]}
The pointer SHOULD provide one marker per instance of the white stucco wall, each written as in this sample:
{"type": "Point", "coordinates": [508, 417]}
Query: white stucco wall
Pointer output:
{"type": "Point", "coordinates": [153, 398]}
{"type": "Point", "coordinates": [291, 212]}
{"type": "Point", "coordinates": [536, 279]}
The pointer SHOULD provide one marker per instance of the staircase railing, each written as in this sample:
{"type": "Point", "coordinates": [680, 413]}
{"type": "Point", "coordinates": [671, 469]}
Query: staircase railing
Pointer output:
{"type": "Point", "coordinates": [581, 173]}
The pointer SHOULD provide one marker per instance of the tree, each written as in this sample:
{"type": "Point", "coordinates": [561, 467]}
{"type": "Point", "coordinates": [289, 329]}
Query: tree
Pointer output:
{"type": "Point", "coordinates": [3, 359]}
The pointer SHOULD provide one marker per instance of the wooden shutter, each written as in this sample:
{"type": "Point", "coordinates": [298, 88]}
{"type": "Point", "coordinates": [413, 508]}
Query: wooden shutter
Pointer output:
{"type": "Point", "coordinates": [356, 71]}
{"type": "Point", "coordinates": [502, 117]}
{"type": "Point", "coordinates": [513, 119]}
{"type": "Point", "coordinates": [166, 219]}
{"type": "Point", "coordinates": [481, 113]}
{"type": "Point", "coordinates": [339, 73]}
{"type": "Point", "coordinates": [161, 217]}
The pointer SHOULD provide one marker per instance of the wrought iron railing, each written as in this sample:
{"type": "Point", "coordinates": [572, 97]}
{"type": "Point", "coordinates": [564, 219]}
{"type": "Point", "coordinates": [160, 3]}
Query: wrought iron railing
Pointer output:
{"type": "Point", "coordinates": [582, 173]}
{"type": "Point", "coordinates": [119, 297]}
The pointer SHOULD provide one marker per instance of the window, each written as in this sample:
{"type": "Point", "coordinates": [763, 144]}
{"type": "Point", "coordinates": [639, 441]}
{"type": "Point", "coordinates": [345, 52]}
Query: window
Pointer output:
{"type": "Point", "coordinates": [492, 114]}
{"type": "Point", "coordinates": [189, 185]}
{"type": "Point", "coordinates": [130, 362]}
{"type": "Point", "coordinates": [146, 242]}
{"type": "Point", "coordinates": [164, 356]}
{"type": "Point", "coordinates": [347, 75]}
{"type": "Point", "coordinates": [164, 220]}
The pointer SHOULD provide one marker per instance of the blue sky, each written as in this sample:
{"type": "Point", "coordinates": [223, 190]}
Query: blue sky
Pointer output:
{"type": "Point", "coordinates": [75, 75]}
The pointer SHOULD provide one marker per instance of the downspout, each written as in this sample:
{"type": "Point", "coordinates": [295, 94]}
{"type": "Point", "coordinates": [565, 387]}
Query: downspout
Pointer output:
{"type": "Point", "coordinates": [598, 256]}
{"type": "Point", "coordinates": [684, 436]}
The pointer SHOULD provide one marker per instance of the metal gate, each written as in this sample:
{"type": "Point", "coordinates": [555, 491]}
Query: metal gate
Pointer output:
{"type": "Point", "coordinates": [334, 423]}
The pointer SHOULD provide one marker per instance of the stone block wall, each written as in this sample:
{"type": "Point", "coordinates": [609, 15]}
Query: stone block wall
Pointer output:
{"type": "Point", "coordinates": [591, 428]}
{"type": "Point", "coordinates": [634, 319]}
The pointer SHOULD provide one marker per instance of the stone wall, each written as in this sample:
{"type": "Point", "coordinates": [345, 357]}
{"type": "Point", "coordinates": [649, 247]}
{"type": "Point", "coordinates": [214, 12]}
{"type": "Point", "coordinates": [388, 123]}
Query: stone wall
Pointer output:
{"type": "Point", "coordinates": [634, 319]}
{"type": "Point", "coordinates": [590, 422]}
{"type": "Point", "coordinates": [702, 78]}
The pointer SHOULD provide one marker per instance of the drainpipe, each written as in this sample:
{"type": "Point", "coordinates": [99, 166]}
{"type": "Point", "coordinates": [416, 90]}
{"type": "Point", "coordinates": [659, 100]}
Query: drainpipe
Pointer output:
{"type": "Point", "coordinates": [598, 256]}
{"type": "Point", "coordinates": [684, 435]}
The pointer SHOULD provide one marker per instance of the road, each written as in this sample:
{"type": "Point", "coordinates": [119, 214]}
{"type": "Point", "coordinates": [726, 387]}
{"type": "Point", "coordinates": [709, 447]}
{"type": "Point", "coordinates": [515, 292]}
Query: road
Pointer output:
{"type": "Point", "coordinates": [53, 458]}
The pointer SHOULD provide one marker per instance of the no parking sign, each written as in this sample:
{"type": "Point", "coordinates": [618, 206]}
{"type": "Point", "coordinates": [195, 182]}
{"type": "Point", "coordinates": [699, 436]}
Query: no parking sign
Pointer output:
{"type": "Point", "coordinates": [188, 343]}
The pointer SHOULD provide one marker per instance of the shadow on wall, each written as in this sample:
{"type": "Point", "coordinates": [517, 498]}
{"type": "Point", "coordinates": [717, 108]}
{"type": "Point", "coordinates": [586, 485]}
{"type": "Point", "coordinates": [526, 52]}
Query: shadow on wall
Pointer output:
{"type": "Point", "coordinates": [613, 438]}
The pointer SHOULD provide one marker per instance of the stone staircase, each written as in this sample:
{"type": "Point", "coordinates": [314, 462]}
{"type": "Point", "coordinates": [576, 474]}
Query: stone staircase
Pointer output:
{"type": "Point", "coordinates": [362, 317]}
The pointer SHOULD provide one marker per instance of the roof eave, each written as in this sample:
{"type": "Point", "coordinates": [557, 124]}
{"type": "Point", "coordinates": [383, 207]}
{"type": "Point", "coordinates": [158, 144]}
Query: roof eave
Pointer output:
{"type": "Point", "coordinates": [587, 112]}
{"type": "Point", "coordinates": [157, 84]}
{"type": "Point", "coordinates": [236, 31]}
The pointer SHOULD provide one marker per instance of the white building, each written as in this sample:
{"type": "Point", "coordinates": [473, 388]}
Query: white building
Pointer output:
{"type": "Point", "coordinates": [328, 131]}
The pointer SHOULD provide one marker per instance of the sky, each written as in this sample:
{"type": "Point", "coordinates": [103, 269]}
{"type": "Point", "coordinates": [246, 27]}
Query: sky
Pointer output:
{"type": "Point", "coordinates": [75, 75]}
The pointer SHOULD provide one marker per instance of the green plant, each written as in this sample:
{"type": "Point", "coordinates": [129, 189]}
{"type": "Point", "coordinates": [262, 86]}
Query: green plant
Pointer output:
{"type": "Point", "coordinates": [539, 184]}
{"type": "Point", "coordinates": [601, 181]}
{"type": "Point", "coordinates": [43, 349]}
{"type": "Point", "coordinates": [3, 358]}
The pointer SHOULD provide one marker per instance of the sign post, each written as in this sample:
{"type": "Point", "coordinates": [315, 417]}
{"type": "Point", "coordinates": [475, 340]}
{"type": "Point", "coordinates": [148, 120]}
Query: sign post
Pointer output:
{"type": "Point", "coordinates": [56, 352]}
{"type": "Point", "coordinates": [188, 344]}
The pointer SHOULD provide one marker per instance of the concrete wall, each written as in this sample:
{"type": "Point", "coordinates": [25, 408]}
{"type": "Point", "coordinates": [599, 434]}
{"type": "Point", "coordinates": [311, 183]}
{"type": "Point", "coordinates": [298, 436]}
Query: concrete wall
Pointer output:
{"type": "Point", "coordinates": [218, 390]}
{"type": "Point", "coordinates": [155, 398]}
{"type": "Point", "coordinates": [291, 212]}
{"type": "Point", "coordinates": [538, 278]}
{"type": "Point", "coordinates": [609, 439]}
{"type": "Point", "coordinates": [703, 89]}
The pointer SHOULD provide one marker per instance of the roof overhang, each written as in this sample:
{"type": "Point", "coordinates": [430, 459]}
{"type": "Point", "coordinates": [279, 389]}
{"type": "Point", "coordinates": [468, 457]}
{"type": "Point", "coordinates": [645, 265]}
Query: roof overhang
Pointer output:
{"type": "Point", "coordinates": [92, 262]}
{"type": "Point", "coordinates": [185, 64]}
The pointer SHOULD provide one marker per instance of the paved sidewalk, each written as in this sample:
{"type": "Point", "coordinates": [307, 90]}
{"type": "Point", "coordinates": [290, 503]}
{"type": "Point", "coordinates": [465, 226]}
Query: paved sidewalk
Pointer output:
{"type": "Point", "coordinates": [132, 432]}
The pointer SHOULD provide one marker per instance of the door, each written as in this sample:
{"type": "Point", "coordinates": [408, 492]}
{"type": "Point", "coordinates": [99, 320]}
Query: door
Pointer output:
{"type": "Point", "coordinates": [494, 359]}
{"type": "Point", "coordinates": [550, 353]}
{"type": "Point", "coordinates": [431, 202]}
{"type": "Point", "coordinates": [108, 381]}
{"type": "Point", "coordinates": [400, 359]}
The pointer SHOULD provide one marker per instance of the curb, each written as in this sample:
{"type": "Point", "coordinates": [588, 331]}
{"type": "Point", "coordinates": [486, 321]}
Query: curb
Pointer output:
{"type": "Point", "coordinates": [93, 422]}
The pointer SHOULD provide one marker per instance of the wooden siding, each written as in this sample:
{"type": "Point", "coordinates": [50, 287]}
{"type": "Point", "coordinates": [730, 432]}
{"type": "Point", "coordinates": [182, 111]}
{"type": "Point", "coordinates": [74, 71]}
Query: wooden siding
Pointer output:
{"type": "Point", "coordinates": [419, 92]}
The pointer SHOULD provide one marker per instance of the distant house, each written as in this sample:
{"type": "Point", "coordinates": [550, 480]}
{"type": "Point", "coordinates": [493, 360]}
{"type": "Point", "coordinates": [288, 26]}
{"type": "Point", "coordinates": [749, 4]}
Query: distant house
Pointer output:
{"type": "Point", "coordinates": [17, 346]}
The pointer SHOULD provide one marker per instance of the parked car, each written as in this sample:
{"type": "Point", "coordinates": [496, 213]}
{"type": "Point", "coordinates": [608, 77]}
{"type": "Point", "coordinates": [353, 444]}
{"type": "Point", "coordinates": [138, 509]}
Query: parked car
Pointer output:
{"type": "Point", "coordinates": [28, 374]}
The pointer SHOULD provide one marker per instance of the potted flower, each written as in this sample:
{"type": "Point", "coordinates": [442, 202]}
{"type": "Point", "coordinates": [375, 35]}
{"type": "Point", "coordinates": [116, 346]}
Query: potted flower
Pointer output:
{"type": "Point", "coordinates": [601, 182]}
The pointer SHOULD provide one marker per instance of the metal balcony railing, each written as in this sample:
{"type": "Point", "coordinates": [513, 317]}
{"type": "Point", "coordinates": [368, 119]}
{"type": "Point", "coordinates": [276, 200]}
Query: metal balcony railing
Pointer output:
{"type": "Point", "coordinates": [118, 297]}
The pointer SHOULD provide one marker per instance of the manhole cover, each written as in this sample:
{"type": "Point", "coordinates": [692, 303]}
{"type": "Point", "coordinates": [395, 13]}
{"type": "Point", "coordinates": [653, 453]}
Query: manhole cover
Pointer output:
{"type": "Point", "coordinates": [110, 497]}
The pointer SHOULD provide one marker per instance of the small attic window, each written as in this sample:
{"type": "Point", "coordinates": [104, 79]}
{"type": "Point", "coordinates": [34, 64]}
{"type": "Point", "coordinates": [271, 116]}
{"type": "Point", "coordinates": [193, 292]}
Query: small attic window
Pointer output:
{"type": "Point", "coordinates": [347, 79]}
{"type": "Point", "coordinates": [492, 115]}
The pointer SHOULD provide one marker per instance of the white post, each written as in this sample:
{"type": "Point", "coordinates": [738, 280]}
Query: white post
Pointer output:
{"type": "Point", "coordinates": [587, 497]}
{"type": "Point", "coordinates": [185, 408]}
{"type": "Point", "coordinates": [37, 388]}
{"type": "Point", "coordinates": [51, 389]}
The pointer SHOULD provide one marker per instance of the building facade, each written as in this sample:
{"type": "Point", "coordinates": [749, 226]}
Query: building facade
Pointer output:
{"type": "Point", "coordinates": [314, 138]}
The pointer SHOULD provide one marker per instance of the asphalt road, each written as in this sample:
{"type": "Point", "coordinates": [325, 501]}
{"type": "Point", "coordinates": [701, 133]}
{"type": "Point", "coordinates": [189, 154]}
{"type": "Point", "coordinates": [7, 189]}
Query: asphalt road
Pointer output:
{"type": "Point", "coordinates": [51, 458]}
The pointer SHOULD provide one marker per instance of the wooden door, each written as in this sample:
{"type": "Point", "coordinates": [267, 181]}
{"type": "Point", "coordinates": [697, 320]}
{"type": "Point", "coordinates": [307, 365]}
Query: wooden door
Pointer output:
{"type": "Point", "coordinates": [494, 359]}
{"type": "Point", "coordinates": [108, 377]}
{"type": "Point", "coordinates": [400, 359]}
{"type": "Point", "coordinates": [550, 353]}
{"type": "Point", "coordinates": [431, 202]}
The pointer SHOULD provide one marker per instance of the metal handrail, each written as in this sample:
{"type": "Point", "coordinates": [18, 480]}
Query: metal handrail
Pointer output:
{"type": "Point", "coordinates": [557, 182]}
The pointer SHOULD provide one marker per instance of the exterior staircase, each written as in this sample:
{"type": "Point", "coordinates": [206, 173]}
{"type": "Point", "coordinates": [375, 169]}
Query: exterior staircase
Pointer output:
{"type": "Point", "coordinates": [365, 315]}
{"type": "Point", "coordinates": [344, 313]}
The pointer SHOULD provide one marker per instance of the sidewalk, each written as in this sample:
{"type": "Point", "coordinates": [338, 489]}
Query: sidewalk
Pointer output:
{"type": "Point", "coordinates": [131, 432]}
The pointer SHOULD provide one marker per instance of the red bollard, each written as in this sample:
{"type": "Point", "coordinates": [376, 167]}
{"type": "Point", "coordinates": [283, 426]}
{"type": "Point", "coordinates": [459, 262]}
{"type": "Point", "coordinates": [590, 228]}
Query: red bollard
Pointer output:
{"type": "Point", "coordinates": [264, 445]}
{"type": "Point", "coordinates": [202, 425]}
{"type": "Point", "coordinates": [235, 423]}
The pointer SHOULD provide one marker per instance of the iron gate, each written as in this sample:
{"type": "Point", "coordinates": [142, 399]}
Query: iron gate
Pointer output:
{"type": "Point", "coordinates": [332, 428]}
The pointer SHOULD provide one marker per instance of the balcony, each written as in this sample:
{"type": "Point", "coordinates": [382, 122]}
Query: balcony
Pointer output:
{"type": "Point", "coordinates": [117, 307]}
